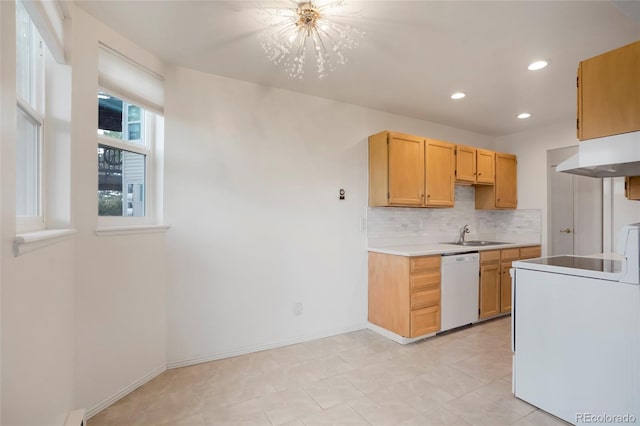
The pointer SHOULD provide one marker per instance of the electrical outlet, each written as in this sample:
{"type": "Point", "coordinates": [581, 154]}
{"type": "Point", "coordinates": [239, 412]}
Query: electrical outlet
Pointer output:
{"type": "Point", "coordinates": [297, 309]}
{"type": "Point", "coordinates": [363, 224]}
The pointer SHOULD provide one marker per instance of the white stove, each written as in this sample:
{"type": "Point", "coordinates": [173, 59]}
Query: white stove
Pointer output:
{"type": "Point", "coordinates": [623, 266]}
{"type": "Point", "coordinates": [576, 334]}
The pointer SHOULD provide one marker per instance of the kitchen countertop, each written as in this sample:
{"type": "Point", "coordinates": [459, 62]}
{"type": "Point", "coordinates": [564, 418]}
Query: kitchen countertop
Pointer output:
{"type": "Point", "coordinates": [426, 249]}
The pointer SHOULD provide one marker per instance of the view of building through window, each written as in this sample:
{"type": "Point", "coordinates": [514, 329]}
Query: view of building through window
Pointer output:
{"type": "Point", "coordinates": [121, 171]}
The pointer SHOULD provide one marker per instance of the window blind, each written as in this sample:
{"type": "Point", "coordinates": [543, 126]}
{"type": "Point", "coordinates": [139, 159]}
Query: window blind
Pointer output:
{"type": "Point", "coordinates": [130, 79]}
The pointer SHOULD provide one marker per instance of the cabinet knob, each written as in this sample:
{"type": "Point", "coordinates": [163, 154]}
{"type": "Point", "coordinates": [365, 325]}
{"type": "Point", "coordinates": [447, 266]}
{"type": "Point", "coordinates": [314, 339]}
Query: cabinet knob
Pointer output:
{"type": "Point", "coordinates": [428, 196]}
{"type": "Point", "coordinates": [479, 174]}
{"type": "Point", "coordinates": [566, 230]}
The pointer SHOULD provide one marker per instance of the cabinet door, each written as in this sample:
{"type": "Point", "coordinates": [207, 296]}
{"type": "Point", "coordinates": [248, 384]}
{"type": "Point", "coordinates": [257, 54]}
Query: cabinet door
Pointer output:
{"type": "Point", "coordinates": [440, 173]}
{"type": "Point", "coordinates": [465, 164]}
{"type": "Point", "coordinates": [609, 93]}
{"type": "Point", "coordinates": [425, 321]}
{"type": "Point", "coordinates": [505, 287]}
{"type": "Point", "coordinates": [485, 161]}
{"type": "Point", "coordinates": [506, 181]}
{"type": "Point", "coordinates": [632, 187]}
{"type": "Point", "coordinates": [406, 170]}
{"type": "Point", "coordinates": [489, 290]}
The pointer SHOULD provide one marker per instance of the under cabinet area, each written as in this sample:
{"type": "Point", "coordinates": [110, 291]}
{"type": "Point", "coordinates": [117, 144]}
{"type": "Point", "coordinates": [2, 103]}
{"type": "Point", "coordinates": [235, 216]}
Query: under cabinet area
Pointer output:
{"type": "Point", "coordinates": [404, 293]}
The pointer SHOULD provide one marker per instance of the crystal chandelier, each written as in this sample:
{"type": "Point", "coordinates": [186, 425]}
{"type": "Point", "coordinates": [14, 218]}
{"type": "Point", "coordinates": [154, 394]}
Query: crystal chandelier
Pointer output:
{"type": "Point", "coordinates": [307, 25]}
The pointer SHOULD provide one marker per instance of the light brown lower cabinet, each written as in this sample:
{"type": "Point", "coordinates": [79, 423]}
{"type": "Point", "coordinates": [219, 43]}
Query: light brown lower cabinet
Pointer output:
{"type": "Point", "coordinates": [495, 279]}
{"type": "Point", "coordinates": [489, 283]}
{"type": "Point", "coordinates": [404, 293]}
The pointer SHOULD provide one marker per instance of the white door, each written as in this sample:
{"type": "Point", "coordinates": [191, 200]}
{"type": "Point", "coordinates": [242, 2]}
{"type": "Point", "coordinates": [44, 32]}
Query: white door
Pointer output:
{"type": "Point", "coordinates": [574, 209]}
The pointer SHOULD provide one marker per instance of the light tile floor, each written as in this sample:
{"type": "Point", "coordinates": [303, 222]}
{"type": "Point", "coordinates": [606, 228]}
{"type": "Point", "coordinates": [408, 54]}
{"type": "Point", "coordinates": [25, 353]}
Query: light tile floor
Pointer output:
{"type": "Point", "coordinates": [359, 378]}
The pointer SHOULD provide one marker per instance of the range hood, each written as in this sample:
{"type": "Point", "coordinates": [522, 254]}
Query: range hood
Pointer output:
{"type": "Point", "coordinates": [611, 156]}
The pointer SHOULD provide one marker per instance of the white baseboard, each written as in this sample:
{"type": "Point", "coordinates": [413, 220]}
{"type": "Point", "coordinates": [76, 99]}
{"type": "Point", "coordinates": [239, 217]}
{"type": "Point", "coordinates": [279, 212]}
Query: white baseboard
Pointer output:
{"type": "Point", "coordinates": [257, 348]}
{"type": "Point", "coordinates": [396, 337]}
{"type": "Point", "coordinates": [127, 390]}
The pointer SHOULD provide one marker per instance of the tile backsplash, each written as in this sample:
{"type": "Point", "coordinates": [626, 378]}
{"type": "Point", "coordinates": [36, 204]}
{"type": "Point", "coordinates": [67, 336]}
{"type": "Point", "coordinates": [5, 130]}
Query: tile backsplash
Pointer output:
{"type": "Point", "coordinates": [389, 225]}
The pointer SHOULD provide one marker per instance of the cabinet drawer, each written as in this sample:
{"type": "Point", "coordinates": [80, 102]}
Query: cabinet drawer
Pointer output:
{"type": "Point", "coordinates": [422, 263]}
{"type": "Point", "coordinates": [510, 254]}
{"type": "Point", "coordinates": [530, 252]}
{"type": "Point", "coordinates": [489, 256]}
{"type": "Point", "coordinates": [429, 297]}
{"type": "Point", "coordinates": [425, 321]}
{"type": "Point", "coordinates": [425, 279]}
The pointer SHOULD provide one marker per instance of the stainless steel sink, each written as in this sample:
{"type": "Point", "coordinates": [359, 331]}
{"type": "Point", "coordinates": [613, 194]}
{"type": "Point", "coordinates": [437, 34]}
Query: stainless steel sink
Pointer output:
{"type": "Point", "coordinates": [478, 243]}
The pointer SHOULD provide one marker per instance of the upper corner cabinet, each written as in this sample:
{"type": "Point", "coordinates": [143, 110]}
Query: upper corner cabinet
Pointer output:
{"type": "Point", "coordinates": [609, 93]}
{"type": "Point", "coordinates": [504, 193]}
{"type": "Point", "coordinates": [396, 170]}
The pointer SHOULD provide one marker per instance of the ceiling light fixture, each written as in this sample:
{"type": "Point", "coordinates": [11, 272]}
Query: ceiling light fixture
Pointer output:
{"type": "Point", "coordinates": [458, 95]}
{"type": "Point", "coordinates": [524, 115]}
{"type": "Point", "coordinates": [308, 28]}
{"type": "Point", "coordinates": [537, 65]}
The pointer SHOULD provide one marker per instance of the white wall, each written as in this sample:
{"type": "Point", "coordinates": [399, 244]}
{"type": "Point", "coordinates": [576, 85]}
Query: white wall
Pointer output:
{"type": "Point", "coordinates": [531, 148]}
{"type": "Point", "coordinates": [120, 286]}
{"type": "Point", "coordinates": [37, 287]}
{"type": "Point", "coordinates": [252, 176]}
{"type": "Point", "coordinates": [83, 320]}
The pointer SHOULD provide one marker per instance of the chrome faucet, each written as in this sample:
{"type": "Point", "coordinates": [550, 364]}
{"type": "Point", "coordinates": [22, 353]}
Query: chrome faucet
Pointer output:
{"type": "Point", "coordinates": [464, 230]}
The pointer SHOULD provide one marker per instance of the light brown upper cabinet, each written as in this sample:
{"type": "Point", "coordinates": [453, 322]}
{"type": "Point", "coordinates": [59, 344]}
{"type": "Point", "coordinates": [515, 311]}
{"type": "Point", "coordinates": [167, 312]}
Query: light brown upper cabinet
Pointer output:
{"type": "Point", "coordinates": [504, 193]}
{"type": "Point", "coordinates": [632, 187]}
{"type": "Point", "coordinates": [396, 170]}
{"type": "Point", "coordinates": [609, 93]}
{"type": "Point", "coordinates": [406, 170]}
{"type": "Point", "coordinates": [440, 173]}
{"type": "Point", "coordinates": [485, 161]}
{"type": "Point", "coordinates": [465, 164]}
{"type": "Point", "coordinates": [474, 166]}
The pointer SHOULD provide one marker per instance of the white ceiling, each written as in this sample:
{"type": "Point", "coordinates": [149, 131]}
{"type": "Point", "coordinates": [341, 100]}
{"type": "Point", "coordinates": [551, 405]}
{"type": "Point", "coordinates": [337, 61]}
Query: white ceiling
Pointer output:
{"type": "Point", "coordinates": [413, 56]}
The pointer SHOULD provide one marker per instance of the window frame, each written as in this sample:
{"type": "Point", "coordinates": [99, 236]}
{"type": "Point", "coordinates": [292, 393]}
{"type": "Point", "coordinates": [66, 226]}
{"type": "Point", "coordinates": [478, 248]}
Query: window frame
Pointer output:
{"type": "Point", "coordinates": [34, 109]}
{"type": "Point", "coordinates": [148, 149]}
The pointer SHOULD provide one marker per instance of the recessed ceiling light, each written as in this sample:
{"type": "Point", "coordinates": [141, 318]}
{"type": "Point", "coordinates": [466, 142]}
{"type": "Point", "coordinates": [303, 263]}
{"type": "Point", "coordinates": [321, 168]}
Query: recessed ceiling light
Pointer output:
{"type": "Point", "coordinates": [458, 95]}
{"type": "Point", "coordinates": [524, 115]}
{"type": "Point", "coordinates": [537, 65]}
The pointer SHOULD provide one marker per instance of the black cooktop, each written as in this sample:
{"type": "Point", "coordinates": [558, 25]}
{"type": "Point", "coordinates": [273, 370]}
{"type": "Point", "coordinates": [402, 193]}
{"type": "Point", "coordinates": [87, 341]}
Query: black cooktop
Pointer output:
{"type": "Point", "coordinates": [577, 262]}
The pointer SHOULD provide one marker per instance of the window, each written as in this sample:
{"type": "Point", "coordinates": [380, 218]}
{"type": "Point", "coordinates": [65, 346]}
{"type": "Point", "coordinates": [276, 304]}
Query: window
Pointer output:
{"type": "Point", "coordinates": [130, 138]}
{"type": "Point", "coordinates": [125, 147]}
{"type": "Point", "coordinates": [30, 51]}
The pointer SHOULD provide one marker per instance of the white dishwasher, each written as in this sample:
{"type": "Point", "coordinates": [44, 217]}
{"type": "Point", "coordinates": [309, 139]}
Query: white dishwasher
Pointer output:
{"type": "Point", "coordinates": [459, 289]}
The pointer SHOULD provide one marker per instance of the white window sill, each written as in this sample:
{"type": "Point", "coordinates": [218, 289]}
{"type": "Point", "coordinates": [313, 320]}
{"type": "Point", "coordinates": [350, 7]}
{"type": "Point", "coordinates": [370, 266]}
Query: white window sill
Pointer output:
{"type": "Point", "coordinates": [129, 230]}
{"type": "Point", "coordinates": [30, 241]}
